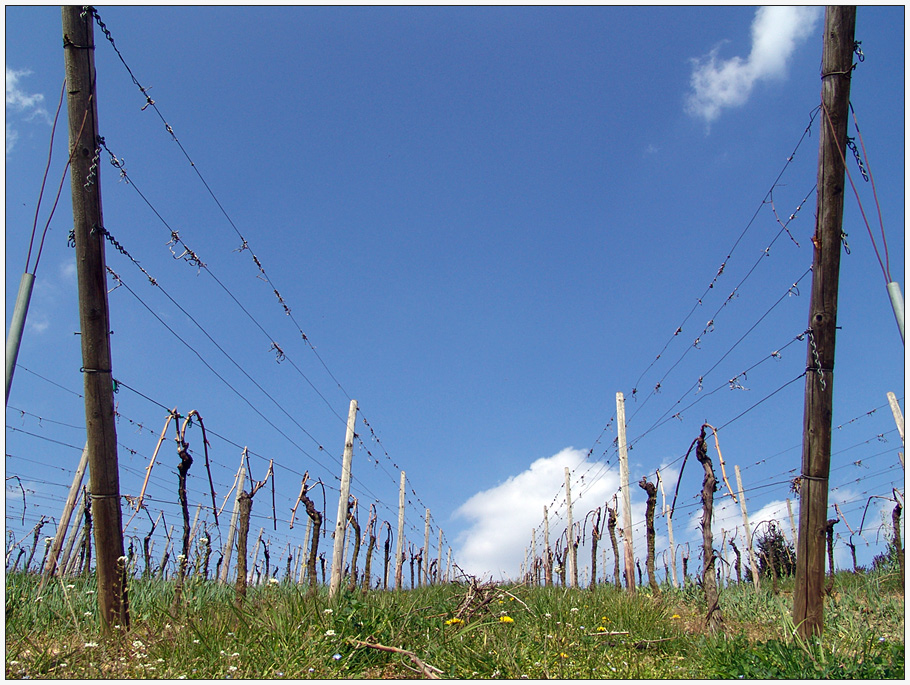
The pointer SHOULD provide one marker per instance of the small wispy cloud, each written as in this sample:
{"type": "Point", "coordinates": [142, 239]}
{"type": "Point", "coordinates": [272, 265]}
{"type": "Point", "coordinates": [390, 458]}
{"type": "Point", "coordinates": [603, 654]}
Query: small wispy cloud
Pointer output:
{"type": "Point", "coordinates": [20, 102]}
{"type": "Point", "coordinates": [776, 33]}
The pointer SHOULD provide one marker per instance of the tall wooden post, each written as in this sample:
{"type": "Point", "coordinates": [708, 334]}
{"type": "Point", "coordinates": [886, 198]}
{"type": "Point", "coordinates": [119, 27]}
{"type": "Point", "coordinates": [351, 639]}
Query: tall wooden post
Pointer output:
{"type": "Point", "coordinates": [232, 530]}
{"type": "Point", "coordinates": [898, 416]}
{"type": "Point", "coordinates": [439, 559]}
{"type": "Point", "coordinates": [88, 225]}
{"type": "Point", "coordinates": [792, 522]}
{"type": "Point", "coordinates": [399, 545]}
{"type": "Point", "coordinates": [837, 63]}
{"type": "Point", "coordinates": [547, 552]}
{"type": "Point", "coordinates": [571, 560]}
{"type": "Point", "coordinates": [668, 515]}
{"type": "Point", "coordinates": [345, 487]}
{"type": "Point", "coordinates": [626, 492]}
{"type": "Point", "coordinates": [742, 506]}
{"type": "Point", "coordinates": [51, 562]}
{"type": "Point", "coordinates": [425, 571]}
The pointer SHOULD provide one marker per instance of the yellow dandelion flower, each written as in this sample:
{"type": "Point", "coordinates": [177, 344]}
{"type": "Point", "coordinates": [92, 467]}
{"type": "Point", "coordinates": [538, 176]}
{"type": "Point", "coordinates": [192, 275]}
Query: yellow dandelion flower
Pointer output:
{"type": "Point", "coordinates": [506, 619]}
{"type": "Point", "coordinates": [601, 629]}
{"type": "Point", "coordinates": [454, 621]}
{"type": "Point", "coordinates": [563, 655]}
{"type": "Point", "coordinates": [675, 617]}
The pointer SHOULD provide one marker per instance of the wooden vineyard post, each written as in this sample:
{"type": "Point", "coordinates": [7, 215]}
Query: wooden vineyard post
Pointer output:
{"type": "Point", "coordinates": [547, 552]}
{"type": "Point", "coordinates": [742, 505]}
{"type": "Point", "coordinates": [571, 560]}
{"type": "Point", "coordinates": [792, 522]}
{"type": "Point", "coordinates": [399, 543]}
{"type": "Point", "coordinates": [94, 316]}
{"type": "Point", "coordinates": [51, 562]}
{"type": "Point", "coordinates": [439, 559]}
{"type": "Point", "coordinates": [898, 420]}
{"type": "Point", "coordinates": [250, 577]}
{"type": "Point", "coordinates": [341, 519]}
{"type": "Point", "coordinates": [898, 415]}
{"type": "Point", "coordinates": [837, 65]}
{"type": "Point", "coordinates": [714, 619]}
{"type": "Point", "coordinates": [425, 556]}
{"type": "Point", "coordinates": [669, 516]}
{"type": "Point", "coordinates": [533, 574]}
{"type": "Point", "coordinates": [651, 491]}
{"type": "Point", "coordinates": [626, 492]}
{"type": "Point", "coordinates": [229, 545]}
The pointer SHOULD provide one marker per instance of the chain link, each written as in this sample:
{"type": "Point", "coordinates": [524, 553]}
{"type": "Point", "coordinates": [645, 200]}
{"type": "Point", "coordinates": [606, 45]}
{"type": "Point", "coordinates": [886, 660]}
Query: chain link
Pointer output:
{"type": "Point", "coordinates": [818, 365]}
{"type": "Point", "coordinates": [93, 170]}
{"type": "Point", "coordinates": [851, 143]}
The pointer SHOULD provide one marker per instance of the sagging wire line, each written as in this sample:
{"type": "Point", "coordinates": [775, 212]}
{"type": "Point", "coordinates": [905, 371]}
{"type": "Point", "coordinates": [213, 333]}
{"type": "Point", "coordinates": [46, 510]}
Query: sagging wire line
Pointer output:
{"type": "Point", "coordinates": [192, 258]}
{"type": "Point", "coordinates": [732, 384]}
{"type": "Point", "coordinates": [244, 242]}
{"type": "Point", "coordinates": [118, 279]}
{"type": "Point", "coordinates": [698, 384]}
{"type": "Point", "coordinates": [723, 265]}
{"type": "Point", "coordinates": [219, 376]}
{"type": "Point", "coordinates": [799, 445]}
{"type": "Point", "coordinates": [709, 327]}
{"type": "Point", "coordinates": [48, 380]}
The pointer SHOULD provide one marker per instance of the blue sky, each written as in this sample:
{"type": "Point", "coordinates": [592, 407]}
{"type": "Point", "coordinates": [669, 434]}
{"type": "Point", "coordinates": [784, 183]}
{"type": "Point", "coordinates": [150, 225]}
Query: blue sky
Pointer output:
{"type": "Point", "coordinates": [486, 221]}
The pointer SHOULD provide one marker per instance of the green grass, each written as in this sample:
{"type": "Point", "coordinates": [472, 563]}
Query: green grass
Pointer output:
{"type": "Point", "coordinates": [552, 633]}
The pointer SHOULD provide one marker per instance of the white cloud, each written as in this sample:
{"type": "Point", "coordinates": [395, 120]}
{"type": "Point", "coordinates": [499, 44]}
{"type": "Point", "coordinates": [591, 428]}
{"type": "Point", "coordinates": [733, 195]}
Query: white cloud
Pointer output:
{"type": "Point", "coordinates": [776, 33]}
{"type": "Point", "coordinates": [502, 517]}
{"type": "Point", "coordinates": [18, 101]}
{"type": "Point", "coordinates": [38, 323]}
{"type": "Point", "coordinates": [68, 271]}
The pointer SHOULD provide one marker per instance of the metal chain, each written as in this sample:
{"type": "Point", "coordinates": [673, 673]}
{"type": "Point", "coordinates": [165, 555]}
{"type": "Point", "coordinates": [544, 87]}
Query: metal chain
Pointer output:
{"type": "Point", "coordinates": [93, 170]}
{"type": "Point", "coordinates": [851, 143]}
{"type": "Point", "coordinates": [818, 365]}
